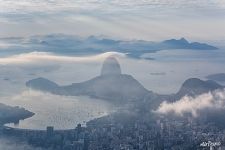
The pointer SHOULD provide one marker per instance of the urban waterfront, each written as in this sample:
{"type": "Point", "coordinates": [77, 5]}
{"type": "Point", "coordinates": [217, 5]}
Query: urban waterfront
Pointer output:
{"type": "Point", "coordinates": [117, 132]}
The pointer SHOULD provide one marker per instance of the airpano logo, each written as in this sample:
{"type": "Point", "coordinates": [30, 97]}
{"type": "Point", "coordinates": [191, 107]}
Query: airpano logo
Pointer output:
{"type": "Point", "coordinates": [210, 144]}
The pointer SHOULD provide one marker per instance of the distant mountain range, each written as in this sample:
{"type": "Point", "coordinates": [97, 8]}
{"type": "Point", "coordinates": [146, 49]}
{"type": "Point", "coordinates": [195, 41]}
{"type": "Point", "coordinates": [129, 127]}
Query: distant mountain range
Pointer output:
{"type": "Point", "coordinates": [184, 44]}
{"type": "Point", "coordinates": [114, 86]}
{"type": "Point", "coordinates": [74, 45]}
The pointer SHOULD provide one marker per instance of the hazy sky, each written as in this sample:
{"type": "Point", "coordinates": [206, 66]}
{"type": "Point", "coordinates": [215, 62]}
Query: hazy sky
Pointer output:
{"type": "Point", "coordinates": [129, 19]}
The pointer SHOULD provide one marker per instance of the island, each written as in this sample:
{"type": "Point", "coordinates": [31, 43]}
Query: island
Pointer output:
{"type": "Point", "coordinates": [9, 114]}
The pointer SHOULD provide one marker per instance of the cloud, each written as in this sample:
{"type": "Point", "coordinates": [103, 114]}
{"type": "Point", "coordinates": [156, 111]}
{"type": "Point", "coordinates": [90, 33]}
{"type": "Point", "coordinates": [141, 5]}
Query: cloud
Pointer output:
{"type": "Point", "coordinates": [124, 19]}
{"type": "Point", "coordinates": [50, 57]}
{"type": "Point", "coordinates": [63, 5]}
{"type": "Point", "coordinates": [212, 100]}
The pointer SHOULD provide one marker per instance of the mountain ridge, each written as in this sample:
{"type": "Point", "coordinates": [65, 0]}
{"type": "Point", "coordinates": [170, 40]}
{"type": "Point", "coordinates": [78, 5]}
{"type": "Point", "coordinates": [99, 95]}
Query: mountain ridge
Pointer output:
{"type": "Point", "coordinates": [194, 87]}
{"type": "Point", "coordinates": [110, 85]}
{"type": "Point", "coordinates": [75, 45]}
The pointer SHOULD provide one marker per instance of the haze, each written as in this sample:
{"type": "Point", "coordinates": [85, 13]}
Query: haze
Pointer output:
{"type": "Point", "coordinates": [130, 19]}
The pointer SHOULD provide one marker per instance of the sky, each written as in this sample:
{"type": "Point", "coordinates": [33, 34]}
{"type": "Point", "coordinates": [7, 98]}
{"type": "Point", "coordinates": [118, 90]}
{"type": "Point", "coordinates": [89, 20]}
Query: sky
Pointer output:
{"type": "Point", "coordinates": [127, 19]}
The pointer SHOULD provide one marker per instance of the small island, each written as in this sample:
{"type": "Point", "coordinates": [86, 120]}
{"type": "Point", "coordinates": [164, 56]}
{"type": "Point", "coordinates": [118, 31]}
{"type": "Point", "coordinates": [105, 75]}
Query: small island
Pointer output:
{"type": "Point", "coordinates": [9, 114]}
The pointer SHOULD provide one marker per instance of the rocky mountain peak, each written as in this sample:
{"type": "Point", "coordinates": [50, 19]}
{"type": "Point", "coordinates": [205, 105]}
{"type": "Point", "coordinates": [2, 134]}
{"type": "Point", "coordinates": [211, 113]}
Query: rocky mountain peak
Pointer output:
{"type": "Point", "coordinates": [111, 67]}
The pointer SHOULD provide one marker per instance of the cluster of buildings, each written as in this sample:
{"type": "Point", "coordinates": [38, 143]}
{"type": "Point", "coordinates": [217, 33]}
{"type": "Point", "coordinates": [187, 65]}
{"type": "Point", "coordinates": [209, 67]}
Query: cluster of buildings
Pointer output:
{"type": "Point", "coordinates": [140, 133]}
{"type": "Point", "coordinates": [144, 134]}
{"type": "Point", "coordinates": [73, 139]}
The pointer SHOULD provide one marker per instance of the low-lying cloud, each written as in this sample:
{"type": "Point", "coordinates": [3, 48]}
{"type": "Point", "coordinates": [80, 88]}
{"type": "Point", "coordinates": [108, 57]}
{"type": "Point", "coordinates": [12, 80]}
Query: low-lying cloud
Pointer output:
{"type": "Point", "coordinates": [212, 100]}
{"type": "Point", "coordinates": [45, 56]}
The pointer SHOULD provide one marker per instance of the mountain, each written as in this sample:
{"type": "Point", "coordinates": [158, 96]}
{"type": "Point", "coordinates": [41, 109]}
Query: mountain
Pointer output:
{"type": "Point", "coordinates": [42, 84]}
{"type": "Point", "coordinates": [75, 45]}
{"type": "Point", "coordinates": [184, 44]}
{"type": "Point", "coordinates": [110, 85]}
{"type": "Point", "coordinates": [117, 88]}
{"type": "Point", "coordinates": [181, 41]}
{"type": "Point", "coordinates": [110, 67]}
{"type": "Point", "coordinates": [114, 86]}
{"type": "Point", "coordinates": [194, 87]}
{"type": "Point", "coordinates": [219, 77]}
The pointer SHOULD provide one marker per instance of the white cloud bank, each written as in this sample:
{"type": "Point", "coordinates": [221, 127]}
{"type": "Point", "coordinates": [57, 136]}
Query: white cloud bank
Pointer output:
{"type": "Point", "coordinates": [50, 57]}
{"type": "Point", "coordinates": [211, 100]}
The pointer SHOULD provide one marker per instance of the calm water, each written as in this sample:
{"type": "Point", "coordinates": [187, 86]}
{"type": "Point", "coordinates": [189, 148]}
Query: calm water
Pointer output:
{"type": "Point", "coordinates": [58, 111]}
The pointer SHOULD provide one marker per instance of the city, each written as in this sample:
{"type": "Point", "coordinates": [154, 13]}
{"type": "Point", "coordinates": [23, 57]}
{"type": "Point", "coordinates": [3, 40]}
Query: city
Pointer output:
{"type": "Point", "coordinates": [134, 134]}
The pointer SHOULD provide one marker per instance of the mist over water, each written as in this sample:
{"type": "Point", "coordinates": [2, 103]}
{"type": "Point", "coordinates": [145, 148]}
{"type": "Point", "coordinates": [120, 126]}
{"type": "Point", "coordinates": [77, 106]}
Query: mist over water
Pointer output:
{"type": "Point", "coordinates": [62, 112]}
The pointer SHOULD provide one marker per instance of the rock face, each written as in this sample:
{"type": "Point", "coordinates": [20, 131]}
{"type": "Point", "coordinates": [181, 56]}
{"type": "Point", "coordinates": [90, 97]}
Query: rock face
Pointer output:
{"type": "Point", "coordinates": [110, 67]}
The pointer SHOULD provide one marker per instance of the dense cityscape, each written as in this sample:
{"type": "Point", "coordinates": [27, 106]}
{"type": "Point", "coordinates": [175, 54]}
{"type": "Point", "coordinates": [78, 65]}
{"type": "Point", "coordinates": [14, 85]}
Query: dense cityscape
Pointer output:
{"type": "Point", "coordinates": [123, 131]}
